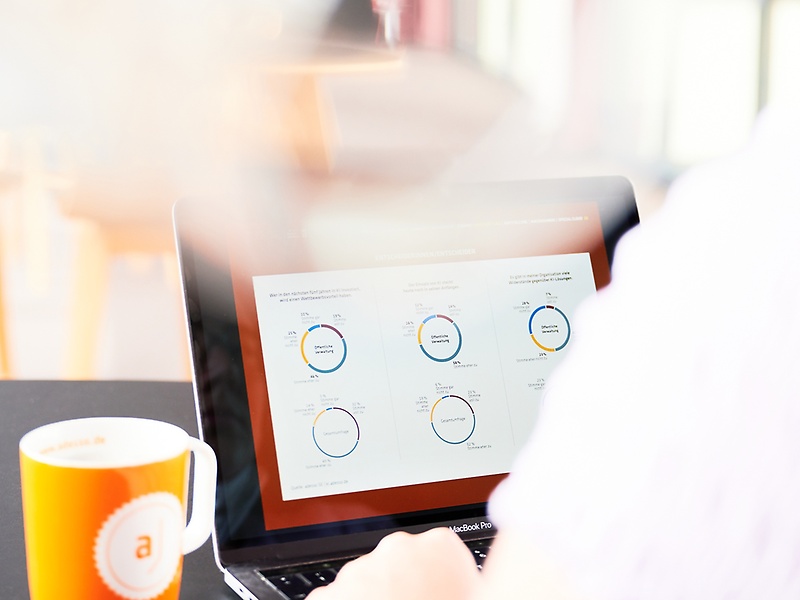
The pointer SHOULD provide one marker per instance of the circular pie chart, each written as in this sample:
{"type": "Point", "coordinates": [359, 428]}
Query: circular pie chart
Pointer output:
{"type": "Point", "coordinates": [452, 419]}
{"type": "Point", "coordinates": [439, 338]}
{"type": "Point", "coordinates": [323, 348]}
{"type": "Point", "coordinates": [335, 432]}
{"type": "Point", "coordinates": [549, 328]}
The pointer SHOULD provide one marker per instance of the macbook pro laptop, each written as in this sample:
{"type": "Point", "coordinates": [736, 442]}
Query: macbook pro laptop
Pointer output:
{"type": "Point", "coordinates": [367, 361]}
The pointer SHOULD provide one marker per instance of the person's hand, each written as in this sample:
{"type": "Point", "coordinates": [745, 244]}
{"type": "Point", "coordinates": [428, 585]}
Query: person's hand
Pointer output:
{"type": "Point", "coordinates": [435, 564]}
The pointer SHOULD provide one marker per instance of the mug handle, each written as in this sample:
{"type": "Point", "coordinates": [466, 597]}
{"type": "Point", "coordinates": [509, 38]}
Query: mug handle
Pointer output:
{"type": "Point", "coordinates": [203, 496]}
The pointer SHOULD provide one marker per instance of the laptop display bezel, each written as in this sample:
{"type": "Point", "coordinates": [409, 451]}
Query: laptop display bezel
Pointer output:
{"type": "Point", "coordinates": [219, 374]}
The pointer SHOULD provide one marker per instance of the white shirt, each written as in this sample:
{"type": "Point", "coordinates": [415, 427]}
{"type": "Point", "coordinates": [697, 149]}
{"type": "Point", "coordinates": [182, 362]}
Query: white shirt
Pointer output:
{"type": "Point", "coordinates": [666, 462]}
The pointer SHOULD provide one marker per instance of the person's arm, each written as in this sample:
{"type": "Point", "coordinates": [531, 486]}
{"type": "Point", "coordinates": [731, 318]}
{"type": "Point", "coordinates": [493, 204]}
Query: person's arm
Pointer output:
{"type": "Point", "coordinates": [437, 565]}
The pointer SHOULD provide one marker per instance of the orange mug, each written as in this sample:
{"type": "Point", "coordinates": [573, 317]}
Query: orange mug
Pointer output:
{"type": "Point", "coordinates": [104, 503]}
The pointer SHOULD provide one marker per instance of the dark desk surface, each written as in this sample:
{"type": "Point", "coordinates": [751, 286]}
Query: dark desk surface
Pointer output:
{"type": "Point", "coordinates": [24, 405]}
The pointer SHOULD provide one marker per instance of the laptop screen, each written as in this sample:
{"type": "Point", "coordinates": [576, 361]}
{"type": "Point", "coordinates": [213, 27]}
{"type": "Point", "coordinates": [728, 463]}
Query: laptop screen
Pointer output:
{"type": "Point", "coordinates": [367, 362]}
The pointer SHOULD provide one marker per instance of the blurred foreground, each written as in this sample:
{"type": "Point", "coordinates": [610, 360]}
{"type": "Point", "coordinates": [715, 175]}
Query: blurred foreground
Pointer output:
{"type": "Point", "coordinates": [110, 113]}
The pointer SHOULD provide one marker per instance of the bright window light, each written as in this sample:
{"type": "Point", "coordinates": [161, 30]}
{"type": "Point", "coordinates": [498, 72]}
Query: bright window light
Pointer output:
{"type": "Point", "coordinates": [714, 91]}
{"type": "Point", "coordinates": [494, 31]}
{"type": "Point", "coordinates": [784, 53]}
{"type": "Point", "coordinates": [540, 59]}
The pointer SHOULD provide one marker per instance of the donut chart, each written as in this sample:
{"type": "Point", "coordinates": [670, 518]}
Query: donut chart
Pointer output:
{"type": "Point", "coordinates": [549, 328]}
{"type": "Point", "coordinates": [323, 348]}
{"type": "Point", "coordinates": [439, 338]}
{"type": "Point", "coordinates": [452, 419]}
{"type": "Point", "coordinates": [335, 432]}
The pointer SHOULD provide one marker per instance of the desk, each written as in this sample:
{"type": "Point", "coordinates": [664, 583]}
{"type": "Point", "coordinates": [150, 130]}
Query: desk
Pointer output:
{"type": "Point", "coordinates": [25, 405]}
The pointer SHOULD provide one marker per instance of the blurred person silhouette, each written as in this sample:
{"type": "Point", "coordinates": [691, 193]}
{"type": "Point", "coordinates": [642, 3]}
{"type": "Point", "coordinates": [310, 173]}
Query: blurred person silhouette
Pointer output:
{"type": "Point", "coordinates": [666, 462]}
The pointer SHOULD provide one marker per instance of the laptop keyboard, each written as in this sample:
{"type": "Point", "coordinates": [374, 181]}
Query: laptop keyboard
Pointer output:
{"type": "Point", "coordinates": [297, 586]}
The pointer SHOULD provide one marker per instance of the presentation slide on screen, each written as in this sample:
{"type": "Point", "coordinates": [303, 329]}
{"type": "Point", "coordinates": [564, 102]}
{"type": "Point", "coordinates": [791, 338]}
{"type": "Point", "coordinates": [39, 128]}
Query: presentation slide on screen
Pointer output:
{"type": "Point", "coordinates": [405, 375]}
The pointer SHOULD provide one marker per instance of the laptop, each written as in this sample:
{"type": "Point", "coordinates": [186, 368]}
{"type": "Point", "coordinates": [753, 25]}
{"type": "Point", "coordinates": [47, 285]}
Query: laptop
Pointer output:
{"type": "Point", "coordinates": [367, 360]}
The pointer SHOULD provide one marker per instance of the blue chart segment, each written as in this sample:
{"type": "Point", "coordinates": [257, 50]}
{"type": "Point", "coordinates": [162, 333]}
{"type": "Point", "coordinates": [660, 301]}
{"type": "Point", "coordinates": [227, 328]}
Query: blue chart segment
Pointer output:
{"type": "Point", "coordinates": [549, 328]}
{"type": "Point", "coordinates": [323, 348]}
{"type": "Point", "coordinates": [335, 432]}
{"type": "Point", "coordinates": [439, 338]}
{"type": "Point", "coordinates": [452, 419]}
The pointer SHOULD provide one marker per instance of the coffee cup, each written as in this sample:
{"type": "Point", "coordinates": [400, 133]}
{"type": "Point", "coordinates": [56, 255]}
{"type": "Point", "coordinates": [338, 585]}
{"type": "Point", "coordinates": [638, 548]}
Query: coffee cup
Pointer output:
{"type": "Point", "coordinates": [105, 507]}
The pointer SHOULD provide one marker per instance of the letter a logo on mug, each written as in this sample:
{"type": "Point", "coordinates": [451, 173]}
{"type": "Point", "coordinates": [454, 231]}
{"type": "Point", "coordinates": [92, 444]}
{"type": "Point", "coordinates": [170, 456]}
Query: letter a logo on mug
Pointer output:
{"type": "Point", "coordinates": [137, 551]}
{"type": "Point", "coordinates": [105, 502]}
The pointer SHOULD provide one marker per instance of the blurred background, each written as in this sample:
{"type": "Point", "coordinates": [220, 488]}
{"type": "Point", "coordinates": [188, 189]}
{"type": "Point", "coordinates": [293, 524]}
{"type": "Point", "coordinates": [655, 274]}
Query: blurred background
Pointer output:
{"type": "Point", "coordinates": [111, 111]}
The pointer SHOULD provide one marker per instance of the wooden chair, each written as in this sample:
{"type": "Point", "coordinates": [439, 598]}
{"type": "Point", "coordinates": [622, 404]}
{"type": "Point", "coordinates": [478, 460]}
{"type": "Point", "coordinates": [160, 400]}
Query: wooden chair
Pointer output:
{"type": "Point", "coordinates": [9, 180]}
{"type": "Point", "coordinates": [5, 357]}
{"type": "Point", "coordinates": [115, 215]}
